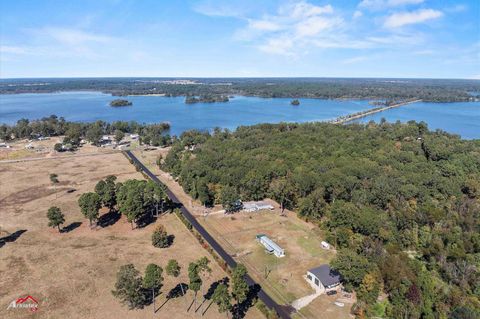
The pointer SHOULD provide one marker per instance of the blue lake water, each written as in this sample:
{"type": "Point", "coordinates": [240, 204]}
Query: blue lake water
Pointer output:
{"type": "Point", "coordinates": [459, 118]}
{"type": "Point", "coordinates": [92, 106]}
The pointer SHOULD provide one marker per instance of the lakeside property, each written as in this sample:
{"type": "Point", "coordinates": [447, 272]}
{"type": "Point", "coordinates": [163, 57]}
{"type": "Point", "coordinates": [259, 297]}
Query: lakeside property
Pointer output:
{"type": "Point", "coordinates": [461, 118]}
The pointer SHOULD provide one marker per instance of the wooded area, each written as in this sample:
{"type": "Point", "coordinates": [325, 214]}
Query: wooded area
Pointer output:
{"type": "Point", "coordinates": [429, 90]}
{"type": "Point", "coordinates": [400, 203]}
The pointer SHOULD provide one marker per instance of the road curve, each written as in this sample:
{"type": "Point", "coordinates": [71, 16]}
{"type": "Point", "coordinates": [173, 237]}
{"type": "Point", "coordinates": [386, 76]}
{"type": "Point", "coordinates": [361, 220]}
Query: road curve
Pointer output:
{"type": "Point", "coordinates": [267, 300]}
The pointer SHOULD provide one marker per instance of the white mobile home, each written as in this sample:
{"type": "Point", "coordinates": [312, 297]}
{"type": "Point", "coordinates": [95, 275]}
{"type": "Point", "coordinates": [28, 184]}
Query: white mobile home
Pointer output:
{"type": "Point", "coordinates": [270, 246]}
{"type": "Point", "coordinates": [256, 206]}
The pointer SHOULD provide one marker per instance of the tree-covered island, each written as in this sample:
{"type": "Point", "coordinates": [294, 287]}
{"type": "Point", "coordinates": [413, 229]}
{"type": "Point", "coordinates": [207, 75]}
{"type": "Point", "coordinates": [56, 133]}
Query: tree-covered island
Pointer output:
{"type": "Point", "coordinates": [120, 102]}
{"type": "Point", "coordinates": [206, 99]}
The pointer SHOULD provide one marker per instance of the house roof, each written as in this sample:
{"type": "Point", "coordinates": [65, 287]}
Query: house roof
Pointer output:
{"type": "Point", "coordinates": [326, 275]}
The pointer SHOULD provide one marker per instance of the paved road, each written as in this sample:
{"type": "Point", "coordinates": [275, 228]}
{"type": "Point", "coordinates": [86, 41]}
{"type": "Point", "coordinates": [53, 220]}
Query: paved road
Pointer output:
{"type": "Point", "coordinates": [282, 311]}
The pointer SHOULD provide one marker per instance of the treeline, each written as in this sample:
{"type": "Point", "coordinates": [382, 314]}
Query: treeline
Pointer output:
{"type": "Point", "coordinates": [428, 90]}
{"type": "Point", "coordinates": [153, 134]}
{"type": "Point", "coordinates": [206, 99]}
{"type": "Point", "coordinates": [400, 203]}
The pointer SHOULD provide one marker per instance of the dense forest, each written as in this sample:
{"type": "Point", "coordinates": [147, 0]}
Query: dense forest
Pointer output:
{"type": "Point", "coordinates": [326, 88]}
{"type": "Point", "coordinates": [400, 203]}
{"type": "Point", "coordinates": [153, 134]}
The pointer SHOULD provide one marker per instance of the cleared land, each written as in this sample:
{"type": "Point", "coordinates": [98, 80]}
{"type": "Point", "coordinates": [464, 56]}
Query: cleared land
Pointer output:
{"type": "Point", "coordinates": [284, 276]}
{"type": "Point", "coordinates": [72, 274]}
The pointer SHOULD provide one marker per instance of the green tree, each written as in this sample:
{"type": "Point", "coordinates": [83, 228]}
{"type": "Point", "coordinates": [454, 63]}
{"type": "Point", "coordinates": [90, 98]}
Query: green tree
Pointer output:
{"type": "Point", "coordinates": [100, 189]}
{"type": "Point", "coordinates": [352, 266]}
{"type": "Point", "coordinates": [90, 204]}
{"type": "Point", "coordinates": [153, 280]}
{"type": "Point", "coordinates": [222, 298]}
{"type": "Point", "coordinates": [240, 287]}
{"type": "Point", "coordinates": [94, 133]}
{"type": "Point", "coordinates": [131, 199]}
{"type": "Point", "coordinates": [160, 237]}
{"type": "Point", "coordinates": [282, 191]}
{"type": "Point", "coordinates": [55, 217]}
{"type": "Point", "coordinates": [195, 280]}
{"type": "Point", "coordinates": [54, 178]}
{"type": "Point", "coordinates": [109, 198]}
{"type": "Point", "coordinates": [229, 198]}
{"type": "Point", "coordinates": [119, 135]}
{"type": "Point", "coordinates": [128, 287]}
{"type": "Point", "coordinates": [204, 270]}
{"type": "Point", "coordinates": [173, 269]}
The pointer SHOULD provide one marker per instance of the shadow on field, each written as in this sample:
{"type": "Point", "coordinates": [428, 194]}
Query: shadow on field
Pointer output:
{"type": "Point", "coordinates": [175, 292]}
{"type": "Point", "coordinates": [12, 237]}
{"type": "Point", "coordinates": [209, 294]}
{"type": "Point", "coordinates": [240, 310]}
{"type": "Point", "coordinates": [108, 219]}
{"type": "Point", "coordinates": [70, 227]}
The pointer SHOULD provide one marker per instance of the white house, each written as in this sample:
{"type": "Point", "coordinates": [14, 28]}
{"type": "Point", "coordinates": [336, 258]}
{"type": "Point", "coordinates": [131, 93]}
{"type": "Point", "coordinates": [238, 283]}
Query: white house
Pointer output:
{"type": "Point", "coordinates": [323, 277]}
{"type": "Point", "coordinates": [270, 246]}
{"type": "Point", "coordinates": [325, 245]}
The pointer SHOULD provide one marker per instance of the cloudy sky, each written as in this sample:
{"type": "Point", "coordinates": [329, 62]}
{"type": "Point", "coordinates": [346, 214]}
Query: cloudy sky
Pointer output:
{"type": "Point", "coordinates": [210, 38]}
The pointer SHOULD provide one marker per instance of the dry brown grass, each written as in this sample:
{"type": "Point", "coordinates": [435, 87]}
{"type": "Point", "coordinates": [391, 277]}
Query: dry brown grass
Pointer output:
{"type": "Point", "coordinates": [236, 233]}
{"type": "Point", "coordinates": [72, 274]}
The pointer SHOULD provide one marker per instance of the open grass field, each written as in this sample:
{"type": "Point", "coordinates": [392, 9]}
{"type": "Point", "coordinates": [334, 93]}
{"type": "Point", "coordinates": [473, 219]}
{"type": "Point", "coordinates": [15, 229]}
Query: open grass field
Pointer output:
{"type": "Point", "coordinates": [72, 274]}
{"type": "Point", "coordinates": [236, 233]}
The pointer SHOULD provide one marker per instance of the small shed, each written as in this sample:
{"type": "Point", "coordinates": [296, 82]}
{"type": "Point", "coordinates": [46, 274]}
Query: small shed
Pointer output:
{"type": "Point", "coordinates": [325, 245]}
{"type": "Point", "coordinates": [324, 277]}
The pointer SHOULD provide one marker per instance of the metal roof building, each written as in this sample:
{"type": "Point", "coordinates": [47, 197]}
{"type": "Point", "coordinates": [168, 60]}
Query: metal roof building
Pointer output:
{"type": "Point", "coordinates": [324, 277]}
{"type": "Point", "coordinates": [270, 246]}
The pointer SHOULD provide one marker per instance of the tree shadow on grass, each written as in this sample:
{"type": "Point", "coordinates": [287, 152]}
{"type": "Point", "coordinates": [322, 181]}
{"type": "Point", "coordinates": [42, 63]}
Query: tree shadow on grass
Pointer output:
{"type": "Point", "coordinates": [175, 292]}
{"type": "Point", "coordinates": [240, 310]}
{"type": "Point", "coordinates": [108, 219]}
{"type": "Point", "coordinates": [145, 220]}
{"type": "Point", "coordinates": [70, 227]}
{"type": "Point", "coordinates": [12, 237]}
{"type": "Point", "coordinates": [209, 294]}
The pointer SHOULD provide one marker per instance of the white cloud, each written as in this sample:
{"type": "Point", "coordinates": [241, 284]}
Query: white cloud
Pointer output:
{"type": "Point", "coordinates": [303, 9]}
{"type": "Point", "coordinates": [357, 14]}
{"type": "Point", "coordinates": [383, 4]}
{"type": "Point", "coordinates": [68, 36]}
{"type": "Point", "coordinates": [13, 49]}
{"type": "Point", "coordinates": [295, 25]}
{"type": "Point", "coordinates": [264, 25]}
{"type": "Point", "coordinates": [282, 46]}
{"type": "Point", "coordinates": [400, 19]}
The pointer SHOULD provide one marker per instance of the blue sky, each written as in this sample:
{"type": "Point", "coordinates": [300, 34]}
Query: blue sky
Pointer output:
{"type": "Point", "coordinates": [260, 38]}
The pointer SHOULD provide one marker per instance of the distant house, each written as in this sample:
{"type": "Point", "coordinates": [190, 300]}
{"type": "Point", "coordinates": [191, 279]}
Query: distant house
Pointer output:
{"type": "Point", "coordinates": [270, 246]}
{"type": "Point", "coordinates": [134, 136]}
{"type": "Point", "coordinates": [256, 206]}
{"type": "Point", "coordinates": [325, 245]}
{"type": "Point", "coordinates": [323, 277]}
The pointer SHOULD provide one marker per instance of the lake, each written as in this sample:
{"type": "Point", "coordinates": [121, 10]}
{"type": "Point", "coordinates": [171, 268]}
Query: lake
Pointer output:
{"type": "Point", "coordinates": [459, 118]}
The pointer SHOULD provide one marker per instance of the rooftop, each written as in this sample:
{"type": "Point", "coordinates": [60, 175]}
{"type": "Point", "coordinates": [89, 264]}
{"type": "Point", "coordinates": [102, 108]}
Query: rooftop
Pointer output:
{"type": "Point", "coordinates": [326, 275]}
